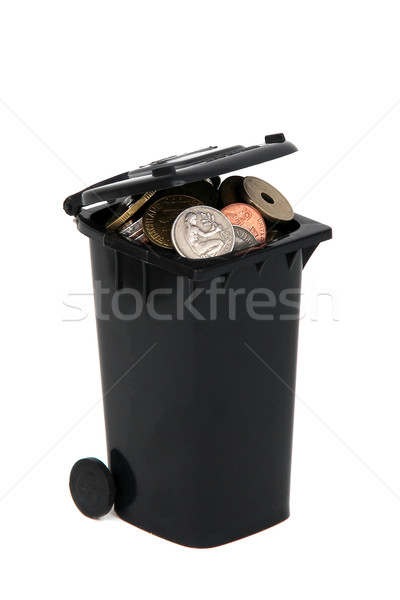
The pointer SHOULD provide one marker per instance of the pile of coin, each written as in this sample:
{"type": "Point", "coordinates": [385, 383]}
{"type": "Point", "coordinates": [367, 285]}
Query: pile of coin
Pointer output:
{"type": "Point", "coordinates": [204, 219]}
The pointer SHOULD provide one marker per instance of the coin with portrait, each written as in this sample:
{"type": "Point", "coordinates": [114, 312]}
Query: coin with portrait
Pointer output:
{"type": "Point", "coordinates": [202, 232]}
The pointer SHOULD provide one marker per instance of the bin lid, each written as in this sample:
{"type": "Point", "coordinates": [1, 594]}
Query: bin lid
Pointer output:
{"type": "Point", "coordinates": [178, 170]}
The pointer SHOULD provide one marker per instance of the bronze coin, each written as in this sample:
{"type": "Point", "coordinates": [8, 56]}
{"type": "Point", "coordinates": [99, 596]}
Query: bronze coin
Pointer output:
{"type": "Point", "coordinates": [159, 217]}
{"type": "Point", "coordinates": [248, 217]}
{"type": "Point", "coordinates": [230, 190]}
{"type": "Point", "coordinates": [268, 200]}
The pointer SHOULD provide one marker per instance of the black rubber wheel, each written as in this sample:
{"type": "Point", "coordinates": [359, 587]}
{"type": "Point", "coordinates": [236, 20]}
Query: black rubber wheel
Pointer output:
{"type": "Point", "coordinates": [92, 487]}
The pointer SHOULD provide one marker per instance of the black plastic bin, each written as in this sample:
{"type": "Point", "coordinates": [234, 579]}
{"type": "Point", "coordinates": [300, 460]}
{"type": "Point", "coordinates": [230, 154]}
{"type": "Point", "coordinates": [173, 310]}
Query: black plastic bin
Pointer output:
{"type": "Point", "coordinates": [198, 397]}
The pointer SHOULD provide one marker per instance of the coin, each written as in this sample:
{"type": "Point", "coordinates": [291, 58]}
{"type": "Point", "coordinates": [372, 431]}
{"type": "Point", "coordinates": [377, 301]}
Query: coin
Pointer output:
{"type": "Point", "coordinates": [130, 212]}
{"type": "Point", "coordinates": [230, 190]}
{"type": "Point", "coordinates": [119, 208]}
{"type": "Point", "coordinates": [248, 217]}
{"type": "Point", "coordinates": [263, 196]}
{"type": "Point", "coordinates": [159, 217]}
{"type": "Point", "coordinates": [202, 232]}
{"type": "Point", "coordinates": [243, 238]}
{"type": "Point", "coordinates": [141, 238]}
{"type": "Point", "coordinates": [131, 229]}
{"type": "Point", "coordinates": [202, 190]}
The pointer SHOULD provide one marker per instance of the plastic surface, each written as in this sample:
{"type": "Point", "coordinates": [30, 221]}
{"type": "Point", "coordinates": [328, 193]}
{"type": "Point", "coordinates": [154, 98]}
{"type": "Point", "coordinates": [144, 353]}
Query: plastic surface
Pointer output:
{"type": "Point", "coordinates": [92, 487]}
{"type": "Point", "coordinates": [199, 425]}
{"type": "Point", "coordinates": [301, 233]}
{"type": "Point", "coordinates": [178, 170]}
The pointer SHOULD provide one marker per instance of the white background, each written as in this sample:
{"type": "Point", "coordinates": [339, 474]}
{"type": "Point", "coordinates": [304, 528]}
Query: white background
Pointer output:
{"type": "Point", "coordinates": [89, 89]}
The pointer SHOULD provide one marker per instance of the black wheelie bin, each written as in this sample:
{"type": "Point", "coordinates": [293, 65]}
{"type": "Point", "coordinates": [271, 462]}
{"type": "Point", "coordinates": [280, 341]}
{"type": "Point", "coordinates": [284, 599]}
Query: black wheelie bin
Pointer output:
{"type": "Point", "coordinates": [198, 365]}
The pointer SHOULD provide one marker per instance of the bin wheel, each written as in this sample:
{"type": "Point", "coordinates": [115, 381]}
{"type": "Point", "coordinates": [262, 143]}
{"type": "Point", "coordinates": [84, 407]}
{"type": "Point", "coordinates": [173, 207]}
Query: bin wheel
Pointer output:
{"type": "Point", "coordinates": [92, 487]}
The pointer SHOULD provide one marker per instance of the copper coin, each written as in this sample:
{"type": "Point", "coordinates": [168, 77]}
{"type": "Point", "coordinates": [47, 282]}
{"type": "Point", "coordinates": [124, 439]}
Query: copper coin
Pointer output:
{"type": "Point", "coordinates": [268, 200]}
{"type": "Point", "coordinates": [159, 217]}
{"type": "Point", "coordinates": [248, 217]}
{"type": "Point", "coordinates": [230, 190]}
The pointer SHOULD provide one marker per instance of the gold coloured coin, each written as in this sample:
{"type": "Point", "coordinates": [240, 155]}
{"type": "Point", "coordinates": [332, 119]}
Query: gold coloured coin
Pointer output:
{"type": "Point", "coordinates": [159, 217]}
{"type": "Point", "coordinates": [120, 208]}
{"type": "Point", "coordinates": [268, 200]}
{"type": "Point", "coordinates": [130, 212]}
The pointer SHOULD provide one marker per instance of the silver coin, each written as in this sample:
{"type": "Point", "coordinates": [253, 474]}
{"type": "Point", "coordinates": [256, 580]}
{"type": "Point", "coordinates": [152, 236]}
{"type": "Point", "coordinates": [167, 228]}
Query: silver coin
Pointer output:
{"type": "Point", "coordinates": [202, 232]}
{"type": "Point", "coordinates": [141, 238]}
{"type": "Point", "coordinates": [243, 238]}
{"type": "Point", "coordinates": [131, 229]}
{"type": "Point", "coordinates": [128, 201]}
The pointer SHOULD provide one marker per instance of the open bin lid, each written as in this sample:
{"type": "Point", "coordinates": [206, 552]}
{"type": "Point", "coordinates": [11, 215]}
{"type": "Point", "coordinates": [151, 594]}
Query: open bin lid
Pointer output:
{"type": "Point", "coordinates": [174, 171]}
{"type": "Point", "coordinates": [178, 170]}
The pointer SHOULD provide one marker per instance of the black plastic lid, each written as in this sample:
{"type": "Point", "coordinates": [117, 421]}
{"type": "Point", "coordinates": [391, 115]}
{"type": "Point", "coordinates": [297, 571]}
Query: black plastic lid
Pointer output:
{"type": "Point", "coordinates": [178, 170]}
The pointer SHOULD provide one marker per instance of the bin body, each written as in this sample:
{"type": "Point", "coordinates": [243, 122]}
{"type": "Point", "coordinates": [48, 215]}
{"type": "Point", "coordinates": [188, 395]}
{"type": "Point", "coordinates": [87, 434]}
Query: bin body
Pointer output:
{"type": "Point", "coordinates": [199, 403]}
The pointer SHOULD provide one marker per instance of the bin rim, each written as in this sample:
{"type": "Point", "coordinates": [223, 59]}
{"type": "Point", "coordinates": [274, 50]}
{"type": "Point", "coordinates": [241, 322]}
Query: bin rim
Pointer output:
{"type": "Point", "coordinates": [307, 235]}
